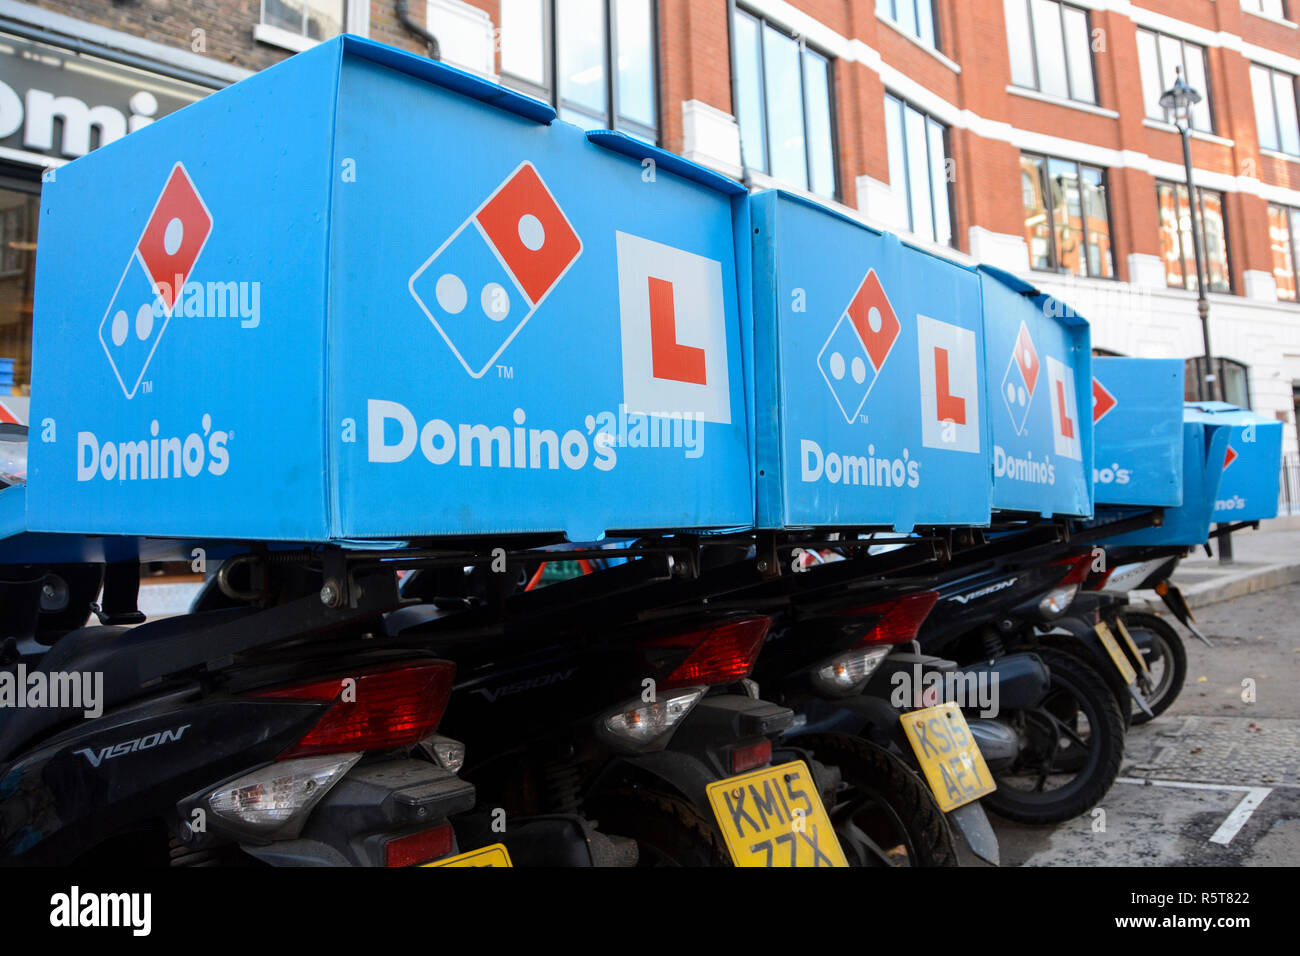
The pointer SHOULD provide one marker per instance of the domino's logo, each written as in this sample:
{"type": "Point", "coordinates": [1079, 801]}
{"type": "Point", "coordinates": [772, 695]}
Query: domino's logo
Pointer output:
{"type": "Point", "coordinates": [1229, 457]}
{"type": "Point", "coordinates": [483, 284]}
{"type": "Point", "coordinates": [858, 346]}
{"type": "Point", "coordinates": [1021, 379]}
{"type": "Point", "coordinates": [155, 275]}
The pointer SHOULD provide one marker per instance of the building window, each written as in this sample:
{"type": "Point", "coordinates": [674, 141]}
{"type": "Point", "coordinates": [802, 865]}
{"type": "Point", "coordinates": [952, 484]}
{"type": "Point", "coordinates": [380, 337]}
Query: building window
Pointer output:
{"type": "Point", "coordinates": [1284, 239]}
{"type": "Point", "coordinates": [918, 169]}
{"type": "Point", "coordinates": [310, 19]}
{"type": "Point", "coordinates": [1275, 109]}
{"type": "Point", "coordinates": [913, 17]}
{"type": "Point", "coordinates": [593, 60]}
{"type": "Point", "coordinates": [1269, 8]}
{"type": "Point", "coordinates": [1232, 376]}
{"type": "Point", "coordinates": [19, 214]}
{"type": "Point", "coordinates": [1051, 49]}
{"type": "Point", "coordinates": [1176, 237]}
{"type": "Point", "coordinates": [785, 105]}
{"type": "Point", "coordinates": [1159, 56]}
{"type": "Point", "coordinates": [1067, 224]}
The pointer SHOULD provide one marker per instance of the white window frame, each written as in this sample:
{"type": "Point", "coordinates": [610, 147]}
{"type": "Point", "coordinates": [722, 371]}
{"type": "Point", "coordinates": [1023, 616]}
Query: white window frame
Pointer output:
{"type": "Point", "coordinates": [356, 19]}
{"type": "Point", "coordinates": [1035, 53]}
{"type": "Point", "coordinates": [764, 22]}
{"type": "Point", "coordinates": [1165, 75]}
{"type": "Point", "coordinates": [903, 190]}
{"type": "Point", "coordinates": [1277, 116]}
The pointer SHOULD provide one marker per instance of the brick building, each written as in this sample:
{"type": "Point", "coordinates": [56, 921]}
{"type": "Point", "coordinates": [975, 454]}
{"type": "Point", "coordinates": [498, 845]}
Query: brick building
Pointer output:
{"type": "Point", "coordinates": [1023, 133]}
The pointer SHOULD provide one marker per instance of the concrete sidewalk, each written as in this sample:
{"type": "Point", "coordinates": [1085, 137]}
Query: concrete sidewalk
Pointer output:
{"type": "Point", "coordinates": [1263, 559]}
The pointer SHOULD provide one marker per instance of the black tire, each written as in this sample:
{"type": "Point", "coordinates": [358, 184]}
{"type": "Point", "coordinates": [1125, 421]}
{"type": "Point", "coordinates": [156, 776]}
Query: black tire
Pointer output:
{"type": "Point", "coordinates": [668, 830]}
{"type": "Point", "coordinates": [1096, 658]}
{"type": "Point", "coordinates": [1075, 688]}
{"type": "Point", "coordinates": [1172, 653]}
{"type": "Point", "coordinates": [885, 801]}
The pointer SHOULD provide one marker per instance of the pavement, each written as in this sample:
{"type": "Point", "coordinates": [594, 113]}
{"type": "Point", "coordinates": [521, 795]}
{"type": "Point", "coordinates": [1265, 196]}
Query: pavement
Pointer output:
{"type": "Point", "coordinates": [1262, 559]}
{"type": "Point", "coordinates": [1215, 780]}
{"type": "Point", "coordinates": [167, 598]}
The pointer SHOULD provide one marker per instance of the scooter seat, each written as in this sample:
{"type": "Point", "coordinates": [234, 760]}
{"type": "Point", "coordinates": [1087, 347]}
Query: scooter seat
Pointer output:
{"type": "Point", "coordinates": [114, 652]}
{"type": "Point", "coordinates": [20, 724]}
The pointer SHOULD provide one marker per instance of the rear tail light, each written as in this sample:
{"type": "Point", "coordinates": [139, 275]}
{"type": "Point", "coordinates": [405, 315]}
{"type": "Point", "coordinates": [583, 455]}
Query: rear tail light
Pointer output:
{"type": "Point", "coordinates": [720, 654]}
{"type": "Point", "coordinates": [419, 847]}
{"type": "Point", "coordinates": [1058, 600]}
{"type": "Point", "coordinates": [900, 618]}
{"type": "Point", "coordinates": [897, 622]}
{"type": "Point", "coordinates": [1079, 569]}
{"type": "Point", "coordinates": [640, 724]}
{"type": "Point", "coordinates": [385, 708]}
{"type": "Point", "coordinates": [277, 798]}
{"type": "Point", "coordinates": [751, 756]}
{"type": "Point", "coordinates": [846, 673]}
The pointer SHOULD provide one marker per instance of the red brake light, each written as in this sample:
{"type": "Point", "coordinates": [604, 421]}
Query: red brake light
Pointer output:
{"type": "Point", "coordinates": [751, 756]}
{"type": "Point", "coordinates": [720, 654]}
{"type": "Point", "coordinates": [418, 847]}
{"type": "Point", "coordinates": [389, 707]}
{"type": "Point", "coordinates": [900, 619]}
{"type": "Point", "coordinates": [1079, 569]}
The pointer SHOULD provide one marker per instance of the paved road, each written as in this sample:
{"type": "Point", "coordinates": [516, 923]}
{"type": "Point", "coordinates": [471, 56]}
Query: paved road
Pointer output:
{"type": "Point", "coordinates": [1189, 770]}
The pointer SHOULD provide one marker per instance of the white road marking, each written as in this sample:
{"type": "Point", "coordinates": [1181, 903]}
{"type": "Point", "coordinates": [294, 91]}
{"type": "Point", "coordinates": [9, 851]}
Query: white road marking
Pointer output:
{"type": "Point", "coordinates": [1230, 827]}
{"type": "Point", "coordinates": [1238, 817]}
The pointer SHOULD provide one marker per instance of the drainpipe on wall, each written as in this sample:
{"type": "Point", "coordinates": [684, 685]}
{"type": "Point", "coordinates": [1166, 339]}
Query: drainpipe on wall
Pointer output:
{"type": "Point", "coordinates": [431, 41]}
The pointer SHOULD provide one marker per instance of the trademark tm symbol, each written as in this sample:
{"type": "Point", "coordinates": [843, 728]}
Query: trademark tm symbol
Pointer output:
{"type": "Point", "coordinates": [147, 387]}
{"type": "Point", "coordinates": [862, 419]}
{"type": "Point", "coordinates": [505, 371]}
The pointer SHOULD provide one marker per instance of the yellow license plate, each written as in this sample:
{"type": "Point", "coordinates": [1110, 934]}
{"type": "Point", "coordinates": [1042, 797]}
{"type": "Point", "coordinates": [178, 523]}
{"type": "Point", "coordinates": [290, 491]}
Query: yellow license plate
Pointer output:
{"type": "Point", "coordinates": [950, 759]}
{"type": "Point", "coordinates": [774, 817]}
{"type": "Point", "coordinates": [1132, 646]}
{"type": "Point", "coordinates": [494, 855]}
{"type": "Point", "coordinates": [1116, 655]}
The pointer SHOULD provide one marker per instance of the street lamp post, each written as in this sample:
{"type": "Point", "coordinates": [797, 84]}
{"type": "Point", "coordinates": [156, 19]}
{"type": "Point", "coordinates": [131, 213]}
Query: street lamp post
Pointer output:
{"type": "Point", "coordinates": [1179, 100]}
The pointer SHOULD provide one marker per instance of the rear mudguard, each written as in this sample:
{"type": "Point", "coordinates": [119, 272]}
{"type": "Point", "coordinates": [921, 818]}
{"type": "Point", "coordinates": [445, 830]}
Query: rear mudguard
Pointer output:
{"type": "Point", "coordinates": [972, 823]}
{"type": "Point", "coordinates": [1081, 631]}
{"type": "Point", "coordinates": [1177, 605]}
{"type": "Point", "coordinates": [354, 822]}
{"type": "Point", "coordinates": [698, 753]}
{"type": "Point", "coordinates": [564, 840]}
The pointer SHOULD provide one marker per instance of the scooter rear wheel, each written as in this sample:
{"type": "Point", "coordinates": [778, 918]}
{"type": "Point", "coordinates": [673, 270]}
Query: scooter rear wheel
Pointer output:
{"type": "Point", "coordinates": [1078, 701]}
{"type": "Point", "coordinates": [1168, 651]}
{"type": "Point", "coordinates": [668, 830]}
{"type": "Point", "coordinates": [886, 815]}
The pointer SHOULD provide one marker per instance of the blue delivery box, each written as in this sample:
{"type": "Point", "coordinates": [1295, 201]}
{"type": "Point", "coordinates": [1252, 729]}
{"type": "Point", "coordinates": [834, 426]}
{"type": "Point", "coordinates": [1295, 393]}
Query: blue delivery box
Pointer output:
{"type": "Point", "coordinates": [1137, 420]}
{"type": "Point", "coordinates": [1252, 462]}
{"type": "Point", "coordinates": [868, 376]}
{"type": "Point", "coordinates": [364, 295]}
{"type": "Point", "coordinates": [1188, 524]}
{"type": "Point", "coordinates": [1039, 373]}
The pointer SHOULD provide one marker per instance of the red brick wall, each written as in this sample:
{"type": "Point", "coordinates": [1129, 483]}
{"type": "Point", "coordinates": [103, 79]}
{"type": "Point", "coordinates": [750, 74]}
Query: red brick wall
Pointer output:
{"type": "Point", "coordinates": [695, 61]}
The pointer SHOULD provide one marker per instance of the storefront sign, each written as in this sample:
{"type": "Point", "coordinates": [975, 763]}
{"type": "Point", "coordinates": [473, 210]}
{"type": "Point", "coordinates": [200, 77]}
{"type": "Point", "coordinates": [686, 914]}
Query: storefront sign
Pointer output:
{"type": "Point", "coordinates": [57, 105]}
